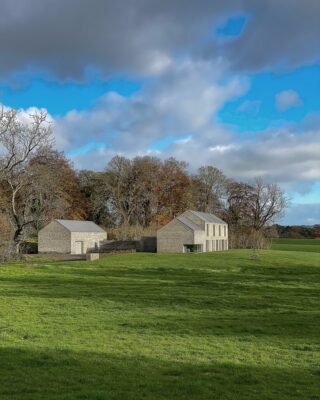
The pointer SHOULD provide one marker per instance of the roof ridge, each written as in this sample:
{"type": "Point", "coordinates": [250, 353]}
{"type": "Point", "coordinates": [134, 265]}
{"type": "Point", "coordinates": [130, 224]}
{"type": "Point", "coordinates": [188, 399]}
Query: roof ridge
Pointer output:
{"type": "Point", "coordinates": [79, 225]}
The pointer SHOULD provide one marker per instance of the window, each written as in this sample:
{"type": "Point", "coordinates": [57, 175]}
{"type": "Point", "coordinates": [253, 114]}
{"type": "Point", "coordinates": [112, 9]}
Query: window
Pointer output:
{"type": "Point", "coordinates": [219, 230]}
{"type": "Point", "coordinates": [192, 248]}
{"type": "Point", "coordinates": [213, 246]}
{"type": "Point", "coordinates": [225, 230]}
{"type": "Point", "coordinates": [214, 229]}
{"type": "Point", "coordinates": [207, 229]}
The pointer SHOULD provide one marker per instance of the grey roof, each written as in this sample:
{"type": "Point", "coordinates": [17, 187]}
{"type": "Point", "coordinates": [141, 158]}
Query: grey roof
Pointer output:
{"type": "Point", "coordinates": [80, 226]}
{"type": "Point", "coordinates": [208, 217]}
{"type": "Point", "coordinates": [190, 224]}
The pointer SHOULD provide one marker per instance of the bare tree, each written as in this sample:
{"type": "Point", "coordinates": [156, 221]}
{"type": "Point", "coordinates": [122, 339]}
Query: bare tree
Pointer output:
{"type": "Point", "coordinates": [209, 187]}
{"type": "Point", "coordinates": [267, 203]}
{"type": "Point", "coordinates": [20, 140]}
{"type": "Point", "coordinates": [18, 143]}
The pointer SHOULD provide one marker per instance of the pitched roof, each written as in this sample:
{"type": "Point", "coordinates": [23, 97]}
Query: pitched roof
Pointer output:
{"type": "Point", "coordinates": [189, 223]}
{"type": "Point", "coordinates": [208, 217]}
{"type": "Point", "coordinates": [80, 226]}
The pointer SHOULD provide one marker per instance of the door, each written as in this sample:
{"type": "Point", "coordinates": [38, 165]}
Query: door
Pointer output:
{"type": "Point", "coordinates": [79, 247]}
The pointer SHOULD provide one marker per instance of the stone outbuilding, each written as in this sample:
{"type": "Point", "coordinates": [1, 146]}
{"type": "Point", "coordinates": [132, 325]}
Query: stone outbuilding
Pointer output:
{"type": "Point", "coordinates": [193, 231]}
{"type": "Point", "coordinates": [70, 237]}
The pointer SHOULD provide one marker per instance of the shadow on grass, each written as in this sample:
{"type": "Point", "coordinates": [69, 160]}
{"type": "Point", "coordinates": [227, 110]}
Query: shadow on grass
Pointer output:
{"type": "Point", "coordinates": [52, 375]}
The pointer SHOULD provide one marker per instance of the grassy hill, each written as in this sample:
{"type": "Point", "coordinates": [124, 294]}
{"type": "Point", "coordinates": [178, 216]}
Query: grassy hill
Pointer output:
{"type": "Point", "coordinates": [148, 326]}
{"type": "Point", "coordinates": [309, 245]}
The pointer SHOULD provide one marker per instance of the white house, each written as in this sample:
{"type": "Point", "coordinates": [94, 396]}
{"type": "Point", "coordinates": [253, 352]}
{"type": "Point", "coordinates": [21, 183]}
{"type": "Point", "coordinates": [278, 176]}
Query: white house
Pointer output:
{"type": "Point", "coordinates": [193, 231]}
{"type": "Point", "coordinates": [70, 237]}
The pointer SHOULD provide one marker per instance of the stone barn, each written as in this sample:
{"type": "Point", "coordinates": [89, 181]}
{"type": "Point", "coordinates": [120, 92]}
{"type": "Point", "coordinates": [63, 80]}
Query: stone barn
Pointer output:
{"type": "Point", "coordinates": [70, 237]}
{"type": "Point", "coordinates": [193, 231]}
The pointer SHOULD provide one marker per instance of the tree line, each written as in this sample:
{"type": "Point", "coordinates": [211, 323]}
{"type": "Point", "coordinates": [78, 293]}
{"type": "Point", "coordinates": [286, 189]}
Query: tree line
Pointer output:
{"type": "Point", "coordinates": [298, 231]}
{"type": "Point", "coordinates": [129, 197]}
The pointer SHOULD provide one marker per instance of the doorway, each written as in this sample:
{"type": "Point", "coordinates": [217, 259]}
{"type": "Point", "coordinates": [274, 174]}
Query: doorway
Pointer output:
{"type": "Point", "coordinates": [78, 247]}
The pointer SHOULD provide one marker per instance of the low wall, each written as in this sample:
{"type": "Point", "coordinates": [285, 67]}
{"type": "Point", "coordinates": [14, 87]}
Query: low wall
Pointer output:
{"type": "Point", "coordinates": [113, 253]}
{"type": "Point", "coordinates": [148, 244]}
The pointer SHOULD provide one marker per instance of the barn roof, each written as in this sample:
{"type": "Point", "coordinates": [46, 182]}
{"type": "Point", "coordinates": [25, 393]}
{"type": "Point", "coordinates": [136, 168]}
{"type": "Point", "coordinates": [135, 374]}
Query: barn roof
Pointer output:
{"type": "Point", "coordinates": [189, 223]}
{"type": "Point", "coordinates": [80, 226]}
{"type": "Point", "coordinates": [208, 217]}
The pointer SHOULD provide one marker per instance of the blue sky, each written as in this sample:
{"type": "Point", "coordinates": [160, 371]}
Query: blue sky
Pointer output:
{"type": "Point", "coordinates": [261, 111]}
{"type": "Point", "coordinates": [208, 84]}
{"type": "Point", "coordinates": [59, 98]}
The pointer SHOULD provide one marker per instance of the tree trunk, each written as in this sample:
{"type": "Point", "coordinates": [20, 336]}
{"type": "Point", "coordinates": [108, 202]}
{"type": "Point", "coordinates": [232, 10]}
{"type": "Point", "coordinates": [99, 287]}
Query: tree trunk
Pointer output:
{"type": "Point", "coordinates": [17, 238]}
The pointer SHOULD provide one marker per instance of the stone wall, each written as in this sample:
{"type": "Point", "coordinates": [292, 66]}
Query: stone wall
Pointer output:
{"type": "Point", "coordinates": [54, 238]}
{"type": "Point", "coordinates": [91, 240]}
{"type": "Point", "coordinates": [172, 237]}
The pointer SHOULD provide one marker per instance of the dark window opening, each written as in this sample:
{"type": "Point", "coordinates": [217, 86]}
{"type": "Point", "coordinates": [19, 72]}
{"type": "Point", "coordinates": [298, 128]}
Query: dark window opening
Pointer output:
{"type": "Point", "coordinates": [193, 248]}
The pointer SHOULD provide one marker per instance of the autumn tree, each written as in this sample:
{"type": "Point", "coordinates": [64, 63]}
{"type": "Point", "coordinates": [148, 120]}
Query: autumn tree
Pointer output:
{"type": "Point", "coordinates": [46, 189]}
{"type": "Point", "coordinates": [146, 172]}
{"type": "Point", "coordinates": [95, 188]}
{"type": "Point", "coordinates": [54, 191]}
{"type": "Point", "coordinates": [173, 188]}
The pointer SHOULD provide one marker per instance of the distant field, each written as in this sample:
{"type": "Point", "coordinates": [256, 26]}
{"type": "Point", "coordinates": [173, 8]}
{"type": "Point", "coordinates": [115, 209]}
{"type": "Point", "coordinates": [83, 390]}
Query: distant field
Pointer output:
{"type": "Point", "coordinates": [162, 327]}
{"type": "Point", "coordinates": [310, 245]}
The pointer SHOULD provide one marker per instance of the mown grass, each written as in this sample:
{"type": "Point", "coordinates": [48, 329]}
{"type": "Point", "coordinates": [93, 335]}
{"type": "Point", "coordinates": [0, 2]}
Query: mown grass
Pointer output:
{"type": "Point", "coordinates": [148, 326]}
{"type": "Point", "coordinates": [309, 245]}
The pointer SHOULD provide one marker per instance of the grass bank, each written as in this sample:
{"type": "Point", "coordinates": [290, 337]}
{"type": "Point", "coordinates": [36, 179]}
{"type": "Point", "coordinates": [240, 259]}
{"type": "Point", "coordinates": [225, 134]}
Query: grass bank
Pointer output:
{"type": "Point", "coordinates": [309, 245]}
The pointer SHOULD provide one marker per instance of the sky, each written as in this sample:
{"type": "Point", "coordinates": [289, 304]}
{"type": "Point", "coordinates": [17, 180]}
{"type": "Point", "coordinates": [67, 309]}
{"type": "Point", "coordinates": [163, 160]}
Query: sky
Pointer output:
{"type": "Point", "coordinates": [229, 83]}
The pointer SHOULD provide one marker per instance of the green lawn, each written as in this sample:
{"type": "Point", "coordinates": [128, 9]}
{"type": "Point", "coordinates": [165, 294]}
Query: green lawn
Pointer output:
{"type": "Point", "coordinates": [309, 245]}
{"type": "Point", "coordinates": [147, 326]}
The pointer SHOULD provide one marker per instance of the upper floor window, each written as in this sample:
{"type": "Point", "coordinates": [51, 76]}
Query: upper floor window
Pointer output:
{"type": "Point", "coordinates": [214, 230]}
{"type": "Point", "coordinates": [208, 226]}
{"type": "Point", "coordinates": [225, 230]}
{"type": "Point", "coordinates": [219, 230]}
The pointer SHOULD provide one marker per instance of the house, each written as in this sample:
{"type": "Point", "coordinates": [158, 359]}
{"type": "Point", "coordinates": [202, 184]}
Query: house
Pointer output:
{"type": "Point", "coordinates": [70, 237]}
{"type": "Point", "coordinates": [193, 231]}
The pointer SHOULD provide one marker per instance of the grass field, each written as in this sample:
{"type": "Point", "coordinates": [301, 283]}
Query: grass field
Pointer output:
{"type": "Point", "coordinates": [309, 245]}
{"type": "Point", "coordinates": [147, 326]}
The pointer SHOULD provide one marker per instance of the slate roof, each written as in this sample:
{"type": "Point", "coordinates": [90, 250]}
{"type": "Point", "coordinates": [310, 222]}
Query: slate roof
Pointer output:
{"type": "Point", "coordinates": [80, 226]}
{"type": "Point", "coordinates": [208, 217]}
{"type": "Point", "coordinates": [190, 224]}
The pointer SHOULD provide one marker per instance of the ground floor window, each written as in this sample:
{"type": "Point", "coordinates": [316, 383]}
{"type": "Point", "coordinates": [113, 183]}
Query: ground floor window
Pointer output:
{"type": "Point", "coordinates": [193, 248]}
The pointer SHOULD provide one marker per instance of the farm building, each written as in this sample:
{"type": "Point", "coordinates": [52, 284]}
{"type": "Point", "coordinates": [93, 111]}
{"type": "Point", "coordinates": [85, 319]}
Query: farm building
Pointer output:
{"type": "Point", "coordinates": [193, 231]}
{"type": "Point", "coordinates": [70, 237]}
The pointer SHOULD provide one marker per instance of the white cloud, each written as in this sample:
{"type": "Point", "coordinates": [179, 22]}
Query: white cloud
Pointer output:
{"type": "Point", "coordinates": [185, 98]}
{"type": "Point", "coordinates": [288, 99]}
{"type": "Point", "coordinates": [222, 148]}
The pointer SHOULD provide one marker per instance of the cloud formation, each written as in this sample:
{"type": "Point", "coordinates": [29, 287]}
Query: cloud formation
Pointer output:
{"type": "Point", "coordinates": [183, 99]}
{"type": "Point", "coordinates": [144, 36]}
{"type": "Point", "coordinates": [288, 99]}
{"type": "Point", "coordinates": [181, 106]}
